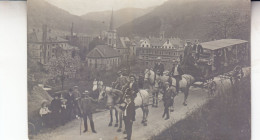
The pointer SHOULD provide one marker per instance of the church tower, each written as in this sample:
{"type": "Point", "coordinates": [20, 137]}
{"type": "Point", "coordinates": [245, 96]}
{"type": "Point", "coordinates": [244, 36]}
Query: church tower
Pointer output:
{"type": "Point", "coordinates": [111, 34]}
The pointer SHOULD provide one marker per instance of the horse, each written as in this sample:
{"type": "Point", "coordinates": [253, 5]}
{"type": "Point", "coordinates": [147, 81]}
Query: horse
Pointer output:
{"type": "Point", "coordinates": [114, 96]}
{"type": "Point", "coordinates": [97, 85]}
{"type": "Point", "coordinates": [185, 83]}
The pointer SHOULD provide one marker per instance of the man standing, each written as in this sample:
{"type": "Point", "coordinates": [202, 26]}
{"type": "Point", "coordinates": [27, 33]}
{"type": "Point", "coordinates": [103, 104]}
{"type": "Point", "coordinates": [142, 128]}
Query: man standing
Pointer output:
{"type": "Point", "coordinates": [168, 99]}
{"type": "Point", "coordinates": [56, 109]}
{"type": "Point", "coordinates": [70, 104]}
{"type": "Point", "coordinates": [85, 106]}
{"type": "Point", "coordinates": [177, 73]}
{"type": "Point", "coordinates": [132, 87]}
{"type": "Point", "coordinates": [129, 116]}
{"type": "Point", "coordinates": [159, 67]}
{"type": "Point", "coordinates": [76, 97]}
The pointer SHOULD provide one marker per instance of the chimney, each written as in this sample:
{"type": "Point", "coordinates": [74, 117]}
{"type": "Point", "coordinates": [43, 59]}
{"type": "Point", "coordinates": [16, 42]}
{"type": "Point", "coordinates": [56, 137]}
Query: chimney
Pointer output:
{"type": "Point", "coordinates": [44, 32]}
{"type": "Point", "coordinates": [71, 30]}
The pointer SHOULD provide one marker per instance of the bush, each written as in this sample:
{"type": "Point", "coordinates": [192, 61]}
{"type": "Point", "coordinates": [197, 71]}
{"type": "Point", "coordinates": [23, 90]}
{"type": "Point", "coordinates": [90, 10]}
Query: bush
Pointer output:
{"type": "Point", "coordinates": [225, 117]}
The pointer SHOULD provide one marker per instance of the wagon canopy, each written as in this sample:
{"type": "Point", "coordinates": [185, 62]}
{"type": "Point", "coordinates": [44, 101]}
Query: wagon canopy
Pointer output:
{"type": "Point", "coordinates": [223, 43]}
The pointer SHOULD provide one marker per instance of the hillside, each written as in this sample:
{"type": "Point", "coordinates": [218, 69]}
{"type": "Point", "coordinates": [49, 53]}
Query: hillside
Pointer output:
{"type": "Point", "coordinates": [121, 16]}
{"type": "Point", "coordinates": [194, 19]}
{"type": "Point", "coordinates": [41, 12]}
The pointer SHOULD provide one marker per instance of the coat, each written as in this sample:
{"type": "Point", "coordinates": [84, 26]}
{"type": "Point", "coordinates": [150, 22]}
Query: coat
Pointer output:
{"type": "Point", "coordinates": [86, 105]}
{"type": "Point", "coordinates": [168, 97]}
{"type": "Point", "coordinates": [179, 69]}
{"type": "Point", "coordinates": [120, 82]}
{"type": "Point", "coordinates": [159, 67]}
{"type": "Point", "coordinates": [129, 113]}
{"type": "Point", "coordinates": [70, 100]}
{"type": "Point", "coordinates": [133, 88]}
{"type": "Point", "coordinates": [55, 105]}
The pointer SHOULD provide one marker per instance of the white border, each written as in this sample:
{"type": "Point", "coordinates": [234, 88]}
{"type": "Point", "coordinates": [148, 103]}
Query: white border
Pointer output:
{"type": "Point", "coordinates": [13, 82]}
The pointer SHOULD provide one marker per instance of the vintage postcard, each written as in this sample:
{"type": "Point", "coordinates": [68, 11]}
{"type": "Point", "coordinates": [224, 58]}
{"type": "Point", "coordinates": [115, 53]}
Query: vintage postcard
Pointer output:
{"type": "Point", "coordinates": [139, 69]}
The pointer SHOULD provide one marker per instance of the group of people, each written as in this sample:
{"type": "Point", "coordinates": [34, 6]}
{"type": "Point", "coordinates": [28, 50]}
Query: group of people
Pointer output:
{"type": "Point", "coordinates": [168, 91]}
{"type": "Point", "coordinates": [63, 109]}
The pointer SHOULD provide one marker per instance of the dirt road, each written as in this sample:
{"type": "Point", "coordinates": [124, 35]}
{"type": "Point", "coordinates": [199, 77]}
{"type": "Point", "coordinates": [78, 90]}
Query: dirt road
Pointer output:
{"type": "Point", "coordinates": [156, 123]}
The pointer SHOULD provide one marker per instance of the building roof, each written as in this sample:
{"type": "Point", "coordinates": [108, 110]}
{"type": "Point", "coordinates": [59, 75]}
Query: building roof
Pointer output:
{"type": "Point", "coordinates": [37, 37]}
{"type": "Point", "coordinates": [157, 41]}
{"type": "Point", "coordinates": [103, 51]}
{"type": "Point", "coordinates": [176, 41]}
{"type": "Point", "coordinates": [69, 47]}
{"type": "Point", "coordinates": [123, 42]}
{"type": "Point", "coordinates": [217, 44]}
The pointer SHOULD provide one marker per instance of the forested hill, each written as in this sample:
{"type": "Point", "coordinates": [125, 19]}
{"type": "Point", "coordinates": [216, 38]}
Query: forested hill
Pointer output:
{"type": "Point", "coordinates": [200, 19]}
{"type": "Point", "coordinates": [121, 16]}
{"type": "Point", "coordinates": [41, 12]}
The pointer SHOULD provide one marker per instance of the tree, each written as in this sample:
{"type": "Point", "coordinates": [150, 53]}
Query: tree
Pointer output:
{"type": "Point", "coordinates": [63, 67]}
{"type": "Point", "coordinates": [225, 24]}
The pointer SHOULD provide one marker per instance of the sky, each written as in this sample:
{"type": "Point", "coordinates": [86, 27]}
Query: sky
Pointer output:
{"type": "Point", "coordinates": [81, 7]}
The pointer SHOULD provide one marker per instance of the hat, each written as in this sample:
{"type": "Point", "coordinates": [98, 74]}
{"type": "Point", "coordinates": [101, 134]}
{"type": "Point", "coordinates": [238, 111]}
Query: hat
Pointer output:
{"type": "Point", "coordinates": [119, 72]}
{"type": "Point", "coordinates": [158, 58]}
{"type": "Point", "coordinates": [75, 87]}
{"type": "Point", "coordinates": [44, 102]}
{"type": "Point", "coordinates": [85, 92]}
{"type": "Point", "coordinates": [131, 76]}
{"type": "Point", "coordinates": [167, 83]}
{"type": "Point", "coordinates": [63, 100]}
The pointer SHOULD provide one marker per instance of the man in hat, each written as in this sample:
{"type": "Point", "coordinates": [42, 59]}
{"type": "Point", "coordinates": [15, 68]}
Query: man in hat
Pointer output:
{"type": "Point", "coordinates": [177, 73]}
{"type": "Point", "coordinates": [76, 97]}
{"type": "Point", "coordinates": [129, 116]}
{"type": "Point", "coordinates": [85, 106]}
{"type": "Point", "coordinates": [120, 81]}
{"type": "Point", "coordinates": [70, 104]}
{"type": "Point", "coordinates": [168, 99]}
{"type": "Point", "coordinates": [56, 109]}
{"type": "Point", "coordinates": [159, 67]}
{"type": "Point", "coordinates": [131, 87]}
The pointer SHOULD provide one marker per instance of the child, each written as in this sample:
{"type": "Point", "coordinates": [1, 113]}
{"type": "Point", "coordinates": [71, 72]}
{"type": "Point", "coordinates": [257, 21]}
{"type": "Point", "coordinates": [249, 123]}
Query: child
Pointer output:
{"type": "Point", "coordinates": [44, 113]}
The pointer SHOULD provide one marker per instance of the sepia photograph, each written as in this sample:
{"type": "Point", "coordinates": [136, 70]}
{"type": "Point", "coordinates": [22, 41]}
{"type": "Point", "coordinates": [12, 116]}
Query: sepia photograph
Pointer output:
{"type": "Point", "coordinates": [139, 69]}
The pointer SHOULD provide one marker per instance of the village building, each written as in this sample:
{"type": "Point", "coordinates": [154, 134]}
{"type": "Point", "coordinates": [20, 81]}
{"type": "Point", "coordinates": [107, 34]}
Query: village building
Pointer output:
{"type": "Point", "coordinates": [112, 33]}
{"type": "Point", "coordinates": [103, 57]}
{"type": "Point", "coordinates": [43, 45]}
{"type": "Point", "coordinates": [126, 48]}
{"type": "Point", "coordinates": [81, 41]}
{"type": "Point", "coordinates": [168, 49]}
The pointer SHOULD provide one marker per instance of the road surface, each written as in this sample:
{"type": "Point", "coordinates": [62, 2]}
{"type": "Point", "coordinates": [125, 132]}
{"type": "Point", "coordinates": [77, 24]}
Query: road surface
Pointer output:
{"type": "Point", "coordinates": [156, 123]}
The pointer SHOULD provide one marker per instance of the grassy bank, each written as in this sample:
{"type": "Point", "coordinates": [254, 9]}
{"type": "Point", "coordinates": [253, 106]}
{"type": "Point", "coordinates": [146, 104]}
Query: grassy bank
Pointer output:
{"type": "Point", "coordinates": [225, 117]}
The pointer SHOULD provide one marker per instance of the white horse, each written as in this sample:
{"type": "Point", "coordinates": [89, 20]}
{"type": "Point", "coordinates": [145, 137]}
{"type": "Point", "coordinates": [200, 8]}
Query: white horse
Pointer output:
{"type": "Point", "coordinates": [114, 98]}
{"type": "Point", "coordinates": [185, 83]}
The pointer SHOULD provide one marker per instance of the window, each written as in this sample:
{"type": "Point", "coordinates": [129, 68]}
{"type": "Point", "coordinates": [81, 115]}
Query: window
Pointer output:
{"type": "Point", "coordinates": [147, 46]}
{"type": "Point", "coordinates": [146, 63]}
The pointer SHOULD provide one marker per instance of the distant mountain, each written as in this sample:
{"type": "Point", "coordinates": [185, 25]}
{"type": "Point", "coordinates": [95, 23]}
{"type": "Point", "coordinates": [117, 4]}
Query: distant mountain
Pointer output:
{"type": "Point", "coordinates": [41, 12]}
{"type": "Point", "coordinates": [121, 16]}
{"type": "Point", "coordinates": [200, 19]}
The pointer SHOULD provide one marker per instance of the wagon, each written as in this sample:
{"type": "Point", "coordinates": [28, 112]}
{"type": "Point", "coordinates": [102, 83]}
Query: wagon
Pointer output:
{"type": "Point", "coordinates": [221, 56]}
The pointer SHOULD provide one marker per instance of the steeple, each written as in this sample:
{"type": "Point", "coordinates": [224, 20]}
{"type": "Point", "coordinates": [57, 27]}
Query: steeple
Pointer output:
{"type": "Point", "coordinates": [71, 30]}
{"type": "Point", "coordinates": [111, 26]}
